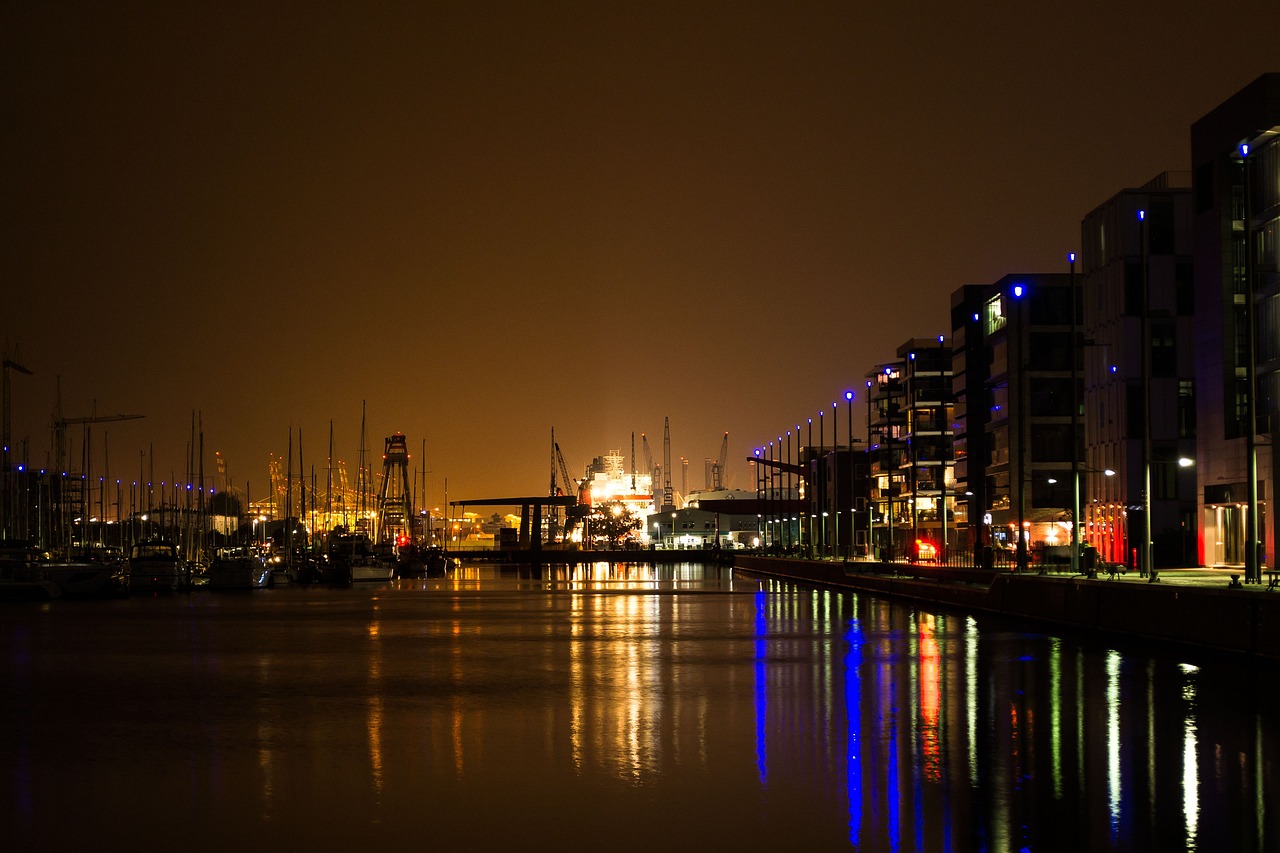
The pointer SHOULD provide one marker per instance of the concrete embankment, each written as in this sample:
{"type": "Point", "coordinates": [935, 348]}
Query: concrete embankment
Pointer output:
{"type": "Point", "coordinates": [1239, 621]}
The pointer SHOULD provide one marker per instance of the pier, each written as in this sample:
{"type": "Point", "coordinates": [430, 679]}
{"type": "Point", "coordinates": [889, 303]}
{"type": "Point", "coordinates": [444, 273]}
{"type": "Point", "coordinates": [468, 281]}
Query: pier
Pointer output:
{"type": "Point", "coordinates": [1195, 607]}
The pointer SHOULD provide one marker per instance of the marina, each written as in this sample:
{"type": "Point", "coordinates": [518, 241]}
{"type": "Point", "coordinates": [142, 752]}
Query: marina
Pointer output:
{"type": "Point", "coordinates": [751, 714]}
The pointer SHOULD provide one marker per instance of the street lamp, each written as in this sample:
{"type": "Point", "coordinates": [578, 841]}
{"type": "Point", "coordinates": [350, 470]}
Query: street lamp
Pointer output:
{"type": "Point", "coordinates": [775, 483]}
{"type": "Point", "coordinates": [944, 449]}
{"type": "Point", "coordinates": [1145, 569]}
{"type": "Point", "coordinates": [1075, 423]}
{"type": "Point", "coordinates": [1016, 329]}
{"type": "Point", "coordinates": [808, 491]}
{"type": "Point", "coordinates": [822, 444]}
{"type": "Point", "coordinates": [786, 510]}
{"type": "Point", "coordinates": [1075, 522]}
{"type": "Point", "coordinates": [871, 507]}
{"type": "Point", "coordinates": [853, 526]}
{"type": "Point", "coordinates": [1252, 563]}
{"type": "Point", "coordinates": [832, 474]}
{"type": "Point", "coordinates": [755, 468]}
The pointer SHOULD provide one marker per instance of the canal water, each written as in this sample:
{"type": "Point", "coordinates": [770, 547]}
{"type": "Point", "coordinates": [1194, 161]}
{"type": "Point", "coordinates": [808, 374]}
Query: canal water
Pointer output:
{"type": "Point", "coordinates": [625, 708]}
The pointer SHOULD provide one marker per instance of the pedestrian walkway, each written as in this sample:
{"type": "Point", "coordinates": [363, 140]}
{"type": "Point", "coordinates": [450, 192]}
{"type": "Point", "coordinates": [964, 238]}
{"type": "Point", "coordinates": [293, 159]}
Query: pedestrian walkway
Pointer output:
{"type": "Point", "coordinates": [1204, 576]}
{"type": "Point", "coordinates": [1209, 577]}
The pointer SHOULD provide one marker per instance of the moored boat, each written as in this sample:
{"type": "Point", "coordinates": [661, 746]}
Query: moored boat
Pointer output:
{"type": "Point", "coordinates": [85, 578]}
{"type": "Point", "coordinates": [238, 572]}
{"type": "Point", "coordinates": [21, 576]}
{"type": "Point", "coordinates": [351, 556]}
{"type": "Point", "coordinates": [155, 565]}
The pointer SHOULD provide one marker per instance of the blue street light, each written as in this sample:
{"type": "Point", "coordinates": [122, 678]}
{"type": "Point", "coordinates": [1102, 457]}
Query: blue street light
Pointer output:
{"type": "Point", "coordinates": [853, 527]}
{"type": "Point", "coordinates": [1019, 403]}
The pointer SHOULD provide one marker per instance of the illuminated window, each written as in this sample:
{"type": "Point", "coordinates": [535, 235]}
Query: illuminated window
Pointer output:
{"type": "Point", "coordinates": [996, 318]}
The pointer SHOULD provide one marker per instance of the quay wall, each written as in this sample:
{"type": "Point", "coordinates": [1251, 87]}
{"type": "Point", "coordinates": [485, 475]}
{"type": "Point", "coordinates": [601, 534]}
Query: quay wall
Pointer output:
{"type": "Point", "coordinates": [574, 556]}
{"type": "Point", "coordinates": [1241, 622]}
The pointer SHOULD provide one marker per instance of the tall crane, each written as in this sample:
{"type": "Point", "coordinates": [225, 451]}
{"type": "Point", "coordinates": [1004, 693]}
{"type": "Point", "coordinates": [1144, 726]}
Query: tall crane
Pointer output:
{"type": "Point", "coordinates": [649, 467]}
{"type": "Point", "coordinates": [9, 364]}
{"type": "Point", "coordinates": [568, 486]}
{"type": "Point", "coordinates": [717, 469]}
{"type": "Point", "coordinates": [572, 515]}
{"type": "Point", "coordinates": [7, 511]}
{"type": "Point", "coordinates": [552, 491]}
{"type": "Point", "coordinates": [61, 423]}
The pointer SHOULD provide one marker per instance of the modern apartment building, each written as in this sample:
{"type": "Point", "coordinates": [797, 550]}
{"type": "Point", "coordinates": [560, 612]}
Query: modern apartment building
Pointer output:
{"type": "Point", "coordinates": [1235, 151]}
{"type": "Point", "coordinates": [1014, 392]}
{"type": "Point", "coordinates": [886, 455]}
{"type": "Point", "coordinates": [1138, 314]}
{"type": "Point", "coordinates": [909, 427]}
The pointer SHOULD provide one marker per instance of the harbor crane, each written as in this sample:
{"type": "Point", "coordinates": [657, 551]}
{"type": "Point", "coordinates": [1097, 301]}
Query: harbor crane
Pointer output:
{"type": "Point", "coordinates": [649, 467]}
{"type": "Point", "coordinates": [60, 425]}
{"type": "Point", "coordinates": [7, 511]}
{"type": "Point", "coordinates": [568, 486]}
{"type": "Point", "coordinates": [717, 469]}
{"type": "Point", "coordinates": [9, 364]}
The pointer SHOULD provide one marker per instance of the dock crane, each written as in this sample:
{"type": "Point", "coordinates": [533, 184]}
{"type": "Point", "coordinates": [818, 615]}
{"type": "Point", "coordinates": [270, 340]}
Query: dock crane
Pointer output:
{"type": "Point", "coordinates": [60, 425]}
{"type": "Point", "coordinates": [9, 364]}
{"type": "Point", "coordinates": [568, 487]}
{"type": "Point", "coordinates": [7, 511]}
{"type": "Point", "coordinates": [717, 469]}
{"type": "Point", "coordinates": [649, 467]}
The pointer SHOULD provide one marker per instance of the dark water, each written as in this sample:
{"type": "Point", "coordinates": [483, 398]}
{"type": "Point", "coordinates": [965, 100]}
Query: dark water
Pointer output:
{"type": "Point", "coordinates": [627, 709]}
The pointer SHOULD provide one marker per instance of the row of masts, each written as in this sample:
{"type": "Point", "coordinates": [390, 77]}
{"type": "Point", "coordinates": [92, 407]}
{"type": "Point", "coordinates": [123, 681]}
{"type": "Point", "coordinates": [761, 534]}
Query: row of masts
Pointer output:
{"type": "Point", "coordinates": [382, 513]}
{"type": "Point", "coordinates": [63, 511]}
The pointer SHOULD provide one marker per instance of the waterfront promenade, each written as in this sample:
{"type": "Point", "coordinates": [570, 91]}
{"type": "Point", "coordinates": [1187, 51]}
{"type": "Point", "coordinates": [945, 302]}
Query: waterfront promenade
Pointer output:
{"type": "Point", "coordinates": [1195, 607]}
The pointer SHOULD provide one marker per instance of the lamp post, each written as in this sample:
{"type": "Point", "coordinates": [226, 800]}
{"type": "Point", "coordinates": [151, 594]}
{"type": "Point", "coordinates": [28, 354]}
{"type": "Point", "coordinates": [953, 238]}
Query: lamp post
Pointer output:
{"type": "Point", "coordinates": [1091, 571]}
{"type": "Point", "coordinates": [833, 475]}
{"type": "Point", "coordinates": [944, 424]}
{"type": "Point", "coordinates": [1016, 329]}
{"type": "Point", "coordinates": [808, 491]}
{"type": "Point", "coordinates": [853, 526]}
{"type": "Point", "coordinates": [913, 482]}
{"type": "Point", "coordinates": [1145, 568]}
{"type": "Point", "coordinates": [1252, 563]}
{"type": "Point", "coordinates": [801, 486]}
{"type": "Point", "coordinates": [890, 463]}
{"type": "Point", "coordinates": [1075, 421]}
{"type": "Point", "coordinates": [771, 532]}
{"type": "Point", "coordinates": [755, 461]}
{"type": "Point", "coordinates": [871, 507]}
{"type": "Point", "coordinates": [822, 443]}
{"type": "Point", "coordinates": [786, 510]}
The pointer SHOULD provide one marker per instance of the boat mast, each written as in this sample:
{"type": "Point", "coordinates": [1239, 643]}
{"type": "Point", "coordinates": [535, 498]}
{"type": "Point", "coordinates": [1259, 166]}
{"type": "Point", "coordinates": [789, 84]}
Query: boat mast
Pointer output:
{"type": "Point", "coordinates": [288, 504]}
{"type": "Point", "coordinates": [362, 522]}
{"type": "Point", "coordinates": [328, 484]}
{"type": "Point", "coordinates": [201, 506]}
{"type": "Point", "coordinates": [302, 484]}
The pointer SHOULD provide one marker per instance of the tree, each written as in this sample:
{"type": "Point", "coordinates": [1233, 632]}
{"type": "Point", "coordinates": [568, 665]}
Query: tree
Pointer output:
{"type": "Point", "coordinates": [611, 522]}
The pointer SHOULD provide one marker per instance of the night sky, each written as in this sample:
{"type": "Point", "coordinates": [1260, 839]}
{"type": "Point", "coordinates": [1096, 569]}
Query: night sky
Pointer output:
{"type": "Point", "coordinates": [491, 220]}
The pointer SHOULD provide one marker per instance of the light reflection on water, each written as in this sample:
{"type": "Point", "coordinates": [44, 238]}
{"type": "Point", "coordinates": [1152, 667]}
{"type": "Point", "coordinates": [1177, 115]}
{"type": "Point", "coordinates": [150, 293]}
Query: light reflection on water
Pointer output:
{"type": "Point", "coordinates": [625, 706]}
